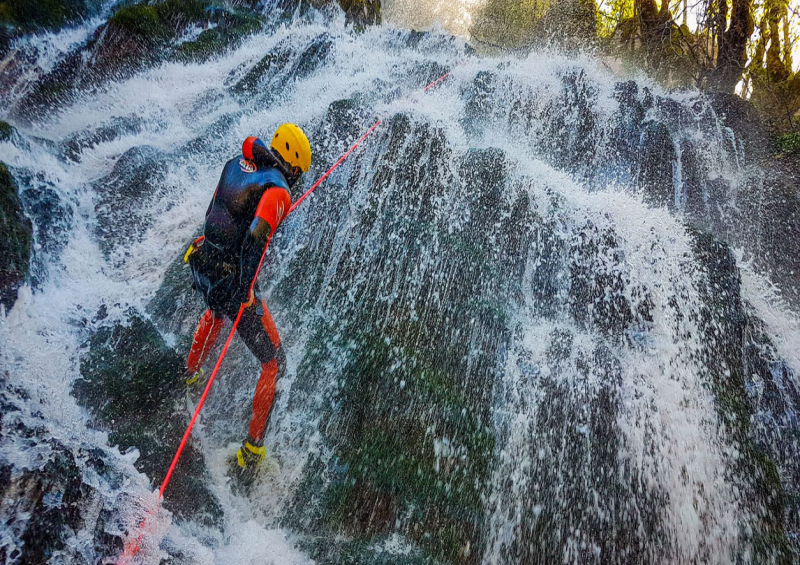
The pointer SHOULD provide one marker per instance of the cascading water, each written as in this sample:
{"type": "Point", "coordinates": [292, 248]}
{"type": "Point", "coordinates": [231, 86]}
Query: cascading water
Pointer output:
{"type": "Point", "coordinates": [511, 338]}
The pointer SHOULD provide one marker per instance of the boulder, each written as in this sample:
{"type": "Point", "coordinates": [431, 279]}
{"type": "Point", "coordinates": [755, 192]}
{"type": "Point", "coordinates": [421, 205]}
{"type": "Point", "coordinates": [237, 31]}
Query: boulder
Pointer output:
{"type": "Point", "coordinates": [16, 233]}
{"type": "Point", "coordinates": [133, 385]}
{"type": "Point", "coordinates": [49, 495]}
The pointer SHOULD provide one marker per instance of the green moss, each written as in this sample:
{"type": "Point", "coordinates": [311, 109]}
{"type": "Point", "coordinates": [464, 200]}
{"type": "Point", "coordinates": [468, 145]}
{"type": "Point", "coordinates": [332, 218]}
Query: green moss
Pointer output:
{"type": "Point", "coordinates": [211, 42]}
{"type": "Point", "coordinates": [191, 10]}
{"type": "Point", "coordinates": [6, 131]}
{"type": "Point", "coordinates": [789, 143]}
{"type": "Point", "coordinates": [142, 21]}
{"type": "Point", "coordinates": [395, 409]}
{"type": "Point", "coordinates": [16, 233]}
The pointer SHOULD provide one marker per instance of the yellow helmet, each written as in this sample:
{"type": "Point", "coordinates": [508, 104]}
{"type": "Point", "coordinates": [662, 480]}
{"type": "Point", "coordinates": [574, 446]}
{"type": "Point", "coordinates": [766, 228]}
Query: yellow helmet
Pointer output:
{"type": "Point", "coordinates": [292, 144]}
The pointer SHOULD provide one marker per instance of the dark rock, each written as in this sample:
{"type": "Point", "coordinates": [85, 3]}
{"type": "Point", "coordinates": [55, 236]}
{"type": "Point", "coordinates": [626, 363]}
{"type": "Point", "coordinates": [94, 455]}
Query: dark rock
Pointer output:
{"type": "Point", "coordinates": [53, 14]}
{"type": "Point", "coordinates": [16, 234]}
{"type": "Point", "coordinates": [597, 289]}
{"type": "Point", "coordinates": [362, 13]}
{"type": "Point", "coordinates": [52, 221]}
{"type": "Point", "coordinates": [655, 168]}
{"type": "Point", "coordinates": [479, 101]}
{"type": "Point", "coordinates": [573, 135]}
{"type": "Point", "coordinates": [312, 57]}
{"type": "Point", "coordinates": [344, 121]}
{"type": "Point", "coordinates": [729, 365]}
{"type": "Point", "coordinates": [48, 501]}
{"type": "Point", "coordinates": [123, 196]}
{"type": "Point", "coordinates": [232, 27]}
{"type": "Point", "coordinates": [116, 127]}
{"type": "Point", "coordinates": [6, 131]}
{"type": "Point", "coordinates": [131, 384]}
{"type": "Point", "coordinates": [259, 77]}
{"type": "Point", "coordinates": [743, 119]}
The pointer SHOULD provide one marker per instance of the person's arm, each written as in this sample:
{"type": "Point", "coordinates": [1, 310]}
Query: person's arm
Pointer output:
{"type": "Point", "coordinates": [272, 208]}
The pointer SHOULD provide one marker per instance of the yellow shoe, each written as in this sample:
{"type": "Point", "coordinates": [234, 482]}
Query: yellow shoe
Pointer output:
{"type": "Point", "coordinates": [250, 456]}
{"type": "Point", "coordinates": [191, 380]}
{"type": "Point", "coordinates": [245, 465]}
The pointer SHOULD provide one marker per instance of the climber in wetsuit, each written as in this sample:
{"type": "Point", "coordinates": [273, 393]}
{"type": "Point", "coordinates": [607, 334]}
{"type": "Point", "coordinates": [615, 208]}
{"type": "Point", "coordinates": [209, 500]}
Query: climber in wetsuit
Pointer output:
{"type": "Point", "coordinates": [252, 198]}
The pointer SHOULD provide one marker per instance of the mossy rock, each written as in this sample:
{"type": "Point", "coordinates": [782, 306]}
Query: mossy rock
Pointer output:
{"type": "Point", "coordinates": [133, 385]}
{"type": "Point", "coordinates": [6, 131]}
{"type": "Point", "coordinates": [725, 325]}
{"type": "Point", "coordinates": [16, 233]}
{"type": "Point", "coordinates": [232, 27]}
{"type": "Point", "coordinates": [412, 452]}
{"type": "Point", "coordinates": [49, 14]}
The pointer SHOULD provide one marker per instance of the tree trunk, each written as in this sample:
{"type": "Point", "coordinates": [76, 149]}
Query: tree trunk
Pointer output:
{"type": "Point", "coordinates": [732, 46]}
{"type": "Point", "coordinates": [787, 41]}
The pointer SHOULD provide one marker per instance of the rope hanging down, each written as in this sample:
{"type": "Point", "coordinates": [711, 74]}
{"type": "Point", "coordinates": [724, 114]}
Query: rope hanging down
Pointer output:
{"type": "Point", "coordinates": [131, 549]}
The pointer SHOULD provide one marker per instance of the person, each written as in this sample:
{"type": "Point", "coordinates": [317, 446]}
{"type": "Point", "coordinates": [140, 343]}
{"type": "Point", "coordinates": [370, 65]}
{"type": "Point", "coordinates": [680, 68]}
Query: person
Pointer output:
{"type": "Point", "coordinates": [251, 199]}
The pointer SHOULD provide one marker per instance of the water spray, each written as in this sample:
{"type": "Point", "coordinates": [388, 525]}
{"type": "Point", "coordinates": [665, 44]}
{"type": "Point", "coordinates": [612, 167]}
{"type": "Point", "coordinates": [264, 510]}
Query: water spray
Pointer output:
{"type": "Point", "coordinates": [133, 546]}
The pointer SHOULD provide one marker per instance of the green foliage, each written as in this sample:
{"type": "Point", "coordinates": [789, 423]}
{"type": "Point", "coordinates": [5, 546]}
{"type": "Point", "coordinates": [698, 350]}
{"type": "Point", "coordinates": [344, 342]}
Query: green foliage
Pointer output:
{"type": "Point", "coordinates": [789, 143]}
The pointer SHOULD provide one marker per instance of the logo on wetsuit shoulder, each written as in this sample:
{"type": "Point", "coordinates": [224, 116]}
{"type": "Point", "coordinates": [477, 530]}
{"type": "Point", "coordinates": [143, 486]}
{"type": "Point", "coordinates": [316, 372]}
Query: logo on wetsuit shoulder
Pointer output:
{"type": "Point", "coordinates": [247, 166]}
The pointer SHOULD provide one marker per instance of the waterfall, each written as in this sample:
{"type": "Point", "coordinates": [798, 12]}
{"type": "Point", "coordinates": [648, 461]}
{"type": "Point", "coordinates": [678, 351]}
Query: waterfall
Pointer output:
{"type": "Point", "coordinates": [540, 316]}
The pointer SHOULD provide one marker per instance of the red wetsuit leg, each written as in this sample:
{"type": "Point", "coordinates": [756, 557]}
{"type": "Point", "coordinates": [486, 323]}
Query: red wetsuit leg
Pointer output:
{"type": "Point", "coordinates": [262, 401]}
{"type": "Point", "coordinates": [208, 329]}
{"type": "Point", "coordinates": [265, 389]}
{"type": "Point", "coordinates": [269, 326]}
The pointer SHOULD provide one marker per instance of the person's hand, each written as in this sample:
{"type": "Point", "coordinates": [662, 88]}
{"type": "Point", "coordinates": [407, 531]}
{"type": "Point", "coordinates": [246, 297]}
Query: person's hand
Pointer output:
{"type": "Point", "coordinates": [251, 298]}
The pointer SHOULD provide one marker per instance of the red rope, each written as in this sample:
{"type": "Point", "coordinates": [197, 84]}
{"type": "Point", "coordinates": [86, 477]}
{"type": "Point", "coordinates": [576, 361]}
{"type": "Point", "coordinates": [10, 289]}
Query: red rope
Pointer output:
{"type": "Point", "coordinates": [131, 550]}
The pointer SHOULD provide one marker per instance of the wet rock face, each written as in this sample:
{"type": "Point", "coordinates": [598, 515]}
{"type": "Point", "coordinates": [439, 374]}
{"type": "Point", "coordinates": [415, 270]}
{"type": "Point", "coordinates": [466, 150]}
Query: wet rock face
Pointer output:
{"type": "Point", "coordinates": [135, 37]}
{"type": "Point", "coordinates": [24, 16]}
{"type": "Point", "coordinates": [73, 147]}
{"type": "Point", "coordinates": [16, 233]}
{"type": "Point", "coordinates": [362, 13]}
{"type": "Point", "coordinates": [775, 400]}
{"type": "Point", "coordinates": [124, 195]}
{"type": "Point", "coordinates": [47, 501]}
{"type": "Point", "coordinates": [133, 385]}
{"type": "Point", "coordinates": [740, 360]}
{"type": "Point", "coordinates": [410, 428]}
{"type": "Point", "coordinates": [52, 220]}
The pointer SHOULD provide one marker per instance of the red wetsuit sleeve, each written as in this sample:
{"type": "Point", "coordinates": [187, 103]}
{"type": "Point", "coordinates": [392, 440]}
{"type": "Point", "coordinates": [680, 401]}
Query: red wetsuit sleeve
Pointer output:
{"type": "Point", "coordinates": [271, 210]}
{"type": "Point", "coordinates": [274, 206]}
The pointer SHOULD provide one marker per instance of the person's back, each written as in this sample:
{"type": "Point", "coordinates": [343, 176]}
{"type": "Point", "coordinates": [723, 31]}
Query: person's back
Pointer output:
{"type": "Point", "coordinates": [240, 189]}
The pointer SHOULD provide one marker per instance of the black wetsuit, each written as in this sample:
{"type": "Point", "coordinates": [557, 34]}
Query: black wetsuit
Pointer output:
{"type": "Point", "coordinates": [225, 264]}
